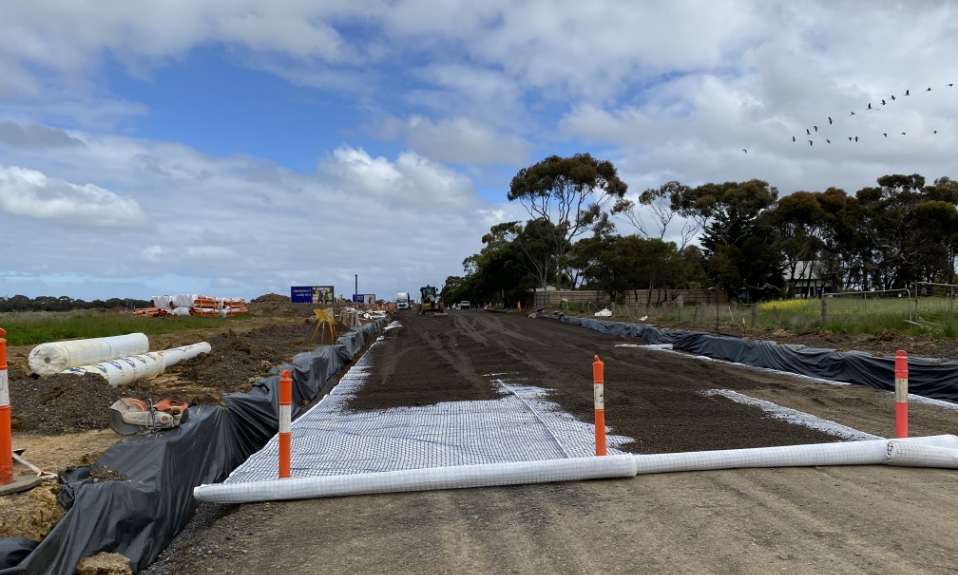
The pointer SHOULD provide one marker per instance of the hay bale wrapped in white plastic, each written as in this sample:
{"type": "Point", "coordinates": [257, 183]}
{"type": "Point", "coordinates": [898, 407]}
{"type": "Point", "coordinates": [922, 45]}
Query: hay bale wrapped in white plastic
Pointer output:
{"type": "Point", "coordinates": [162, 301]}
{"type": "Point", "coordinates": [50, 358]}
{"type": "Point", "coordinates": [126, 369]}
{"type": "Point", "coordinates": [183, 300]}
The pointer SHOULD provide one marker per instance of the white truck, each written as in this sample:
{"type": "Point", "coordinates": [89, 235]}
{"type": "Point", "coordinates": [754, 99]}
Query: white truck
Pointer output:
{"type": "Point", "coordinates": [402, 300]}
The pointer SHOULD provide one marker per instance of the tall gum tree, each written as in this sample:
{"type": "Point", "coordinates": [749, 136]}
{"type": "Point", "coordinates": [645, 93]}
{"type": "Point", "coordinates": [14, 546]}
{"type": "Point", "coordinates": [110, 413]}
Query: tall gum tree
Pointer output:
{"type": "Point", "coordinates": [572, 193]}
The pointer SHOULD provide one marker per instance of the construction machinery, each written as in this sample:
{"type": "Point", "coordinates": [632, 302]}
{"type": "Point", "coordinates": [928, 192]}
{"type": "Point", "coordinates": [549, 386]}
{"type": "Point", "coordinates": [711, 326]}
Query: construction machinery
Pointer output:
{"type": "Point", "coordinates": [322, 331]}
{"type": "Point", "coordinates": [431, 302]}
{"type": "Point", "coordinates": [129, 415]}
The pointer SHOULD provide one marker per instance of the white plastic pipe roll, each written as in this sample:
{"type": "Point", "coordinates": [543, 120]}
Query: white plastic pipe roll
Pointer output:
{"type": "Point", "coordinates": [126, 369]}
{"type": "Point", "coordinates": [462, 476]}
{"type": "Point", "coordinates": [177, 354]}
{"type": "Point", "coordinates": [870, 452]}
{"type": "Point", "coordinates": [936, 451]}
{"type": "Point", "coordinates": [50, 358]}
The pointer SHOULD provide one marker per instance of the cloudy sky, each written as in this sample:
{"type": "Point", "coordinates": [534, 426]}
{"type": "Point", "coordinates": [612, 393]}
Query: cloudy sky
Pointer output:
{"type": "Point", "coordinates": [240, 147]}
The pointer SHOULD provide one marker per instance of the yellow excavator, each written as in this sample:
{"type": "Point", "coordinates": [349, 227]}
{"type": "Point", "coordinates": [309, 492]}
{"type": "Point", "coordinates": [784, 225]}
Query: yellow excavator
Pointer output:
{"type": "Point", "coordinates": [431, 302]}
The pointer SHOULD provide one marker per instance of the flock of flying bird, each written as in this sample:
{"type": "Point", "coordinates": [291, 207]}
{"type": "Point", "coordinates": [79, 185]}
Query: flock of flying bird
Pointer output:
{"type": "Point", "coordinates": [808, 132]}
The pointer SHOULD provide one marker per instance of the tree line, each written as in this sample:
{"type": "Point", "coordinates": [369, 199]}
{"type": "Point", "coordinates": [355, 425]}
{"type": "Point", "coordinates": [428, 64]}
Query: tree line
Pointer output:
{"type": "Point", "coordinates": [739, 237]}
{"type": "Point", "coordinates": [64, 303]}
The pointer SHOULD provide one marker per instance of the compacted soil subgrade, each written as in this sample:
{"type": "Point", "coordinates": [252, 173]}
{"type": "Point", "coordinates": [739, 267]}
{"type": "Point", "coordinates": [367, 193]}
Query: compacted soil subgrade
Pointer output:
{"type": "Point", "coordinates": [856, 519]}
{"type": "Point", "coordinates": [651, 397]}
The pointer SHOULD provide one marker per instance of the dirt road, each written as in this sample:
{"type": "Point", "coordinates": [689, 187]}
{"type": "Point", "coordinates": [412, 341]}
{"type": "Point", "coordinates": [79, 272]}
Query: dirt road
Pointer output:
{"type": "Point", "coordinates": [804, 520]}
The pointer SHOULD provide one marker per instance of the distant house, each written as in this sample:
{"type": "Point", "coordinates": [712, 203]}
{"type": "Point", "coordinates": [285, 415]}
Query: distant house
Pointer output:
{"type": "Point", "coordinates": [807, 281]}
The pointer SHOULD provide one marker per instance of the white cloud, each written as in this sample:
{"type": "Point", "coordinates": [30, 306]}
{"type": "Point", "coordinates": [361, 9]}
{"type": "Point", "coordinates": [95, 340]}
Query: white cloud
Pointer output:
{"type": "Point", "coordinates": [34, 136]}
{"type": "Point", "coordinates": [410, 180]}
{"type": "Point", "coordinates": [31, 194]}
{"type": "Point", "coordinates": [241, 225]}
{"type": "Point", "coordinates": [463, 141]}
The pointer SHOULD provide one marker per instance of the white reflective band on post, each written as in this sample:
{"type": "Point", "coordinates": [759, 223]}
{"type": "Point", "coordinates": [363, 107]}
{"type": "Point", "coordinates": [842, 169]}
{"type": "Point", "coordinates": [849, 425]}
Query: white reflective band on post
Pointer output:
{"type": "Point", "coordinates": [285, 416]}
{"type": "Point", "coordinates": [4, 388]}
{"type": "Point", "coordinates": [599, 396]}
{"type": "Point", "coordinates": [901, 390]}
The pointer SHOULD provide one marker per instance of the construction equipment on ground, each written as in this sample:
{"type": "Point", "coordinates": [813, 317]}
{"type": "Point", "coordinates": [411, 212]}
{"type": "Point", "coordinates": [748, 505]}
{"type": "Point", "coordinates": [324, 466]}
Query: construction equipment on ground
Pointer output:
{"type": "Point", "coordinates": [129, 415]}
{"type": "Point", "coordinates": [322, 331]}
{"type": "Point", "coordinates": [431, 302]}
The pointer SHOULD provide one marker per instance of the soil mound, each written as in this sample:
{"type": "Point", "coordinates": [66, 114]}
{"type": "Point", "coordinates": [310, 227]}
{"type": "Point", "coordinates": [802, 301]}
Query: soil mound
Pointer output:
{"type": "Point", "coordinates": [237, 360]}
{"type": "Point", "coordinates": [278, 306]}
{"type": "Point", "coordinates": [63, 403]}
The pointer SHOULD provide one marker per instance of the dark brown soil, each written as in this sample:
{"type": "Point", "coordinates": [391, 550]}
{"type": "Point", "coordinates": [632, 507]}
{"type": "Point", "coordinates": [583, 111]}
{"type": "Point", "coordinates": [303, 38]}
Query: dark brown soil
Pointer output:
{"type": "Point", "coordinates": [420, 354]}
{"type": "Point", "coordinates": [63, 403]}
{"type": "Point", "coordinates": [66, 403]}
{"type": "Point", "coordinates": [279, 306]}
{"type": "Point", "coordinates": [237, 360]}
{"type": "Point", "coordinates": [651, 398]}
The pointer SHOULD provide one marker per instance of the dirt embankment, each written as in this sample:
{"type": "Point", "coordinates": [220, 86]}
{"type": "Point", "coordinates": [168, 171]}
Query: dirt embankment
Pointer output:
{"type": "Point", "coordinates": [63, 420]}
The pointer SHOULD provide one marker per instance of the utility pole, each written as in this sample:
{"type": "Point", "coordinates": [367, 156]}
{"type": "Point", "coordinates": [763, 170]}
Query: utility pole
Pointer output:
{"type": "Point", "coordinates": [356, 288]}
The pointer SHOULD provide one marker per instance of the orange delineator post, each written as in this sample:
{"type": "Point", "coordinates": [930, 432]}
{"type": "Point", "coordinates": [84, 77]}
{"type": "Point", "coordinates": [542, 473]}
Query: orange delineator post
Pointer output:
{"type": "Point", "coordinates": [6, 442]}
{"type": "Point", "coordinates": [598, 379]}
{"type": "Point", "coordinates": [901, 394]}
{"type": "Point", "coordinates": [285, 420]}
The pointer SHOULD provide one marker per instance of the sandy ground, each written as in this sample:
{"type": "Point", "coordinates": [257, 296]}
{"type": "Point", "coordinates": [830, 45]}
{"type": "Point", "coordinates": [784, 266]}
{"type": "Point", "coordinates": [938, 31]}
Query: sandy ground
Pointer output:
{"type": "Point", "coordinates": [801, 520]}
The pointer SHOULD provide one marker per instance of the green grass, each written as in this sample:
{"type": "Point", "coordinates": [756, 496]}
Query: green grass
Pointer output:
{"type": "Point", "coordinates": [31, 328]}
{"type": "Point", "coordinates": [937, 316]}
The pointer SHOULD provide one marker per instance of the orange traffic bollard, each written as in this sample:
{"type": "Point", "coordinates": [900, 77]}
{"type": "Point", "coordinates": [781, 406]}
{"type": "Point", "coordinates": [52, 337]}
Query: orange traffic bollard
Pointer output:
{"type": "Point", "coordinates": [901, 394]}
{"type": "Point", "coordinates": [285, 422]}
{"type": "Point", "coordinates": [6, 442]}
{"type": "Point", "coordinates": [598, 378]}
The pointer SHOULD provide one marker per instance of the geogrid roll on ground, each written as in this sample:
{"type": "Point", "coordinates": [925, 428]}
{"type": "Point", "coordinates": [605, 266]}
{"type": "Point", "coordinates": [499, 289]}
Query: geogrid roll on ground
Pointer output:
{"type": "Point", "coordinates": [329, 440]}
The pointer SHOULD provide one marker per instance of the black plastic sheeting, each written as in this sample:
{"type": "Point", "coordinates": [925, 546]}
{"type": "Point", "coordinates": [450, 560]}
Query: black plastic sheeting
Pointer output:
{"type": "Point", "coordinates": [140, 516]}
{"type": "Point", "coordinates": [926, 377]}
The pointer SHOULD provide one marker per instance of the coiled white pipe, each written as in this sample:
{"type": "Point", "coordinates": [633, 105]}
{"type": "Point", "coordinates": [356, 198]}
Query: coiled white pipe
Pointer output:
{"type": "Point", "coordinates": [936, 451]}
{"type": "Point", "coordinates": [126, 369]}
{"type": "Point", "coordinates": [177, 354]}
{"type": "Point", "coordinates": [50, 358]}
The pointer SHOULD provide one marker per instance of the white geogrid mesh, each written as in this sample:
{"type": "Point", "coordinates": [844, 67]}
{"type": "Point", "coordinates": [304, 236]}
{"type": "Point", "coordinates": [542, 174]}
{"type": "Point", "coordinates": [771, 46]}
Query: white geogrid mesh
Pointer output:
{"type": "Point", "coordinates": [329, 441]}
{"type": "Point", "coordinates": [795, 417]}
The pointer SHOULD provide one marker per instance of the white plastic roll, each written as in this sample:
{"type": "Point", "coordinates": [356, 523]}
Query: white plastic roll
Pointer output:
{"type": "Point", "coordinates": [461, 476]}
{"type": "Point", "coordinates": [125, 370]}
{"type": "Point", "coordinates": [181, 311]}
{"type": "Point", "coordinates": [177, 354]}
{"type": "Point", "coordinates": [183, 300]}
{"type": "Point", "coordinates": [50, 358]}
{"type": "Point", "coordinates": [936, 451]}
{"type": "Point", "coordinates": [162, 301]}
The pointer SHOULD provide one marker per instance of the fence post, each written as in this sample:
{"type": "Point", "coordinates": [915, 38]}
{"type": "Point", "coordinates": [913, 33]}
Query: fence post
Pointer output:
{"type": "Point", "coordinates": [754, 314]}
{"type": "Point", "coordinates": [598, 385]}
{"type": "Point", "coordinates": [901, 395]}
{"type": "Point", "coordinates": [6, 442]}
{"type": "Point", "coordinates": [285, 422]}
{"type": "Point", "coordinates": [824, 310]}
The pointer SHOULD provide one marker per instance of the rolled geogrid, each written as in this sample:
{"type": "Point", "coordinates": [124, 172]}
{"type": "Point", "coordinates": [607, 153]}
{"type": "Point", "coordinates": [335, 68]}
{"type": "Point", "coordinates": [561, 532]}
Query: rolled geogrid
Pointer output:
{"type": "Point", "coordinates": [50, 358]}
{"type": "Point", "coordinates": [456, 477]}
{"type": "Point", "coordinates": [936, 451]}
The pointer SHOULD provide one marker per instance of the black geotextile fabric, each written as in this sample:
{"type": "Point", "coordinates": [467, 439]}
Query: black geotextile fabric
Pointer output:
{"type": "Point", "coordinates": [139, 516]}
{"type": "Point", "coordinates": [926, 377]}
